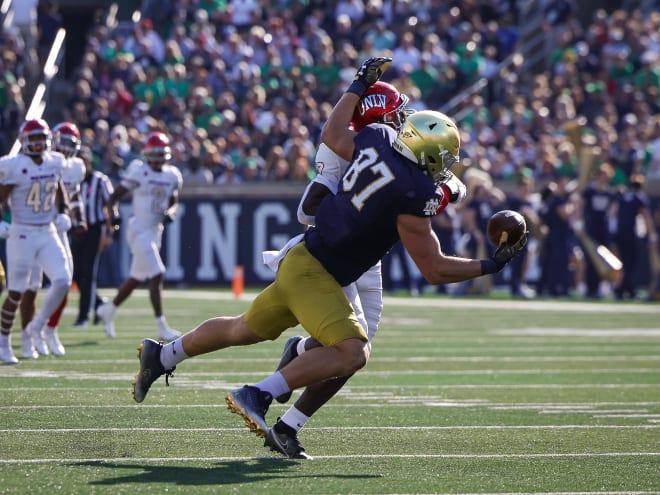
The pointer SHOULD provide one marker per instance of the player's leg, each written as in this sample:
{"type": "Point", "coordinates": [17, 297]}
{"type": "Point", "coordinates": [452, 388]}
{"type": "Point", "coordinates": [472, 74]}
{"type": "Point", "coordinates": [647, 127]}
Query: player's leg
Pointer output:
{"type": "Point", "coordinates": [139, 244]}
{"type": "Point", "coordinates": [50, 330]}
{"type": "Point", "coordinates": [315, 299]}
{"type": "Point", "coordinates": [366, 296]}
{"type": "Point", "coordinates": [21, 246]}
{"type": "Point", "coordinates": [53, 259]}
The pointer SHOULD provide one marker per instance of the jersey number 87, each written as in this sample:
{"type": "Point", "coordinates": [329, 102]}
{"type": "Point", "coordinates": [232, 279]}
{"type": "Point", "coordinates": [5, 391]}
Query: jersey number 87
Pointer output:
{"type": "Point", "coordinates": [366, 160]}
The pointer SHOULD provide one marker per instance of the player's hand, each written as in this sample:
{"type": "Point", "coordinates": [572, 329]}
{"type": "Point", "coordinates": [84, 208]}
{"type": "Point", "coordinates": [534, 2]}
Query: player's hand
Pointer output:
{"type": "Point", "coordinates": [62, 222]}
{"type": "Point", "coordinates": [369, 72]}
{"type": "Point", "coordinates": [505, 253]}
{"type": "Point", "coordinates": [4, 229]}
{"type": "Point", "coordinates": [455, 188]}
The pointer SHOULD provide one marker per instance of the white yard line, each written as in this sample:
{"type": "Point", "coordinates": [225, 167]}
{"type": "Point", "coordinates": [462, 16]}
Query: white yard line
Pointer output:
{"type": "Point", "coordinates": [426, 302]}
{"type": "Point", "coordinates": [340, 457]}
{"type": "Point", "coordinates": [342, 428]}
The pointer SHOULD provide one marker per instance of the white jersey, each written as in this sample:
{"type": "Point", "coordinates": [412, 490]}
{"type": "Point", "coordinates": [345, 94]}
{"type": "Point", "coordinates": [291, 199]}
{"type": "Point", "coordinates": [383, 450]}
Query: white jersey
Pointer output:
{"type": "Point", "coordinates": [32, 200]}
{"type": "Point", "coordinates": [152, 191]}
{"type": "Point", "coordinates": [330, 167]}
{"type": "Point", "coordinates": [73, 174]}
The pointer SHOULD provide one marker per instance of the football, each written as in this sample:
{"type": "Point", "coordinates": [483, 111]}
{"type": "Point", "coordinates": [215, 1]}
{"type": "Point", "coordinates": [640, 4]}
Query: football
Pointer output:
{"type": "Point", "coordinates": [505, 226]}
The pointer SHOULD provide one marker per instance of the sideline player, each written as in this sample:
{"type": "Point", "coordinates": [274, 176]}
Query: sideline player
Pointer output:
{"type": "Point", "coordinates": [66, 140]}
{"type": "Point", "coordinates": [389, 192]}
{"type": "Point", "coordinates": [155, 185]}
{"type": "Point", "coordinates": [381, 103]}
{"type": "Point", "coordinates": [31, 182]}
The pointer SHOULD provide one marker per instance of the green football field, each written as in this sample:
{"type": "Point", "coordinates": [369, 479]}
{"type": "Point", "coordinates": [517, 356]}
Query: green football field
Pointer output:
{"type": "Point", "coordinates": [460, 396]}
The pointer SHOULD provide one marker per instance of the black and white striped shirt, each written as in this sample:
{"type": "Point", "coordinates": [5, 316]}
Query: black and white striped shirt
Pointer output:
{"type": "Point", "coordinates": [95, 190]}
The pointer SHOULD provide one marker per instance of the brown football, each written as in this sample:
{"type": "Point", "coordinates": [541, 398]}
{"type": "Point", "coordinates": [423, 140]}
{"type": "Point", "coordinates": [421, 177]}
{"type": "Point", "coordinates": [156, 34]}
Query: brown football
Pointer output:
{"type": "Point", "coordinates": [505, 226]}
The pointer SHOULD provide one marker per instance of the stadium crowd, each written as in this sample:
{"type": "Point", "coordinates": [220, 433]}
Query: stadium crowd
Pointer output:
{"type": "Point", "coordinates": [244, 87]}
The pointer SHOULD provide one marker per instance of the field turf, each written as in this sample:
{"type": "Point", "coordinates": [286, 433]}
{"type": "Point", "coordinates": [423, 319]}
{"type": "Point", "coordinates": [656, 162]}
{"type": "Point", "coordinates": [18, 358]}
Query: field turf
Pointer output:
{"type": "Point", "coordinates": [460, 396]}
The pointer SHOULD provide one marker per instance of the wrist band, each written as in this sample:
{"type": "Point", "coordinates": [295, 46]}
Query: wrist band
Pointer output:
{"type": "Point", "coordinates": [357, 88]}
{"type": "Point", "coordinates": [488, 266]}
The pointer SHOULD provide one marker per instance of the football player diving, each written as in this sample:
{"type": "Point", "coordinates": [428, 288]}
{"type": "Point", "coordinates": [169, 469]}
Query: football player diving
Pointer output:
{"type": "Point", "coordinates": [394, 185]}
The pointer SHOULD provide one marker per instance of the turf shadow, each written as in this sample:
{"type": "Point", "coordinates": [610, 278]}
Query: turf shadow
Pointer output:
{"type": "Point", "coordinates": [221, 473]}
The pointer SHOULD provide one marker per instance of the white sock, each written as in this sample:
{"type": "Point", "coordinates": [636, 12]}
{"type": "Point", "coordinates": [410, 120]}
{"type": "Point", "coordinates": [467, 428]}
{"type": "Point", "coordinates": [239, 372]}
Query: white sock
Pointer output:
{"type": "Point", "coordinates": [275, 384]}
{"type": "Point", "coordinates": [5, 340]}
{"type": "Point", "coordinates": [300, 347]}
{"type": "Point", "coordinates": [50, 330]}
{"type": "Point", "coordinates": [294, 418]}
{"type": "Point", "coordinates": [161, 322]}
{"type": "Point", "coordinates": [172, 354]}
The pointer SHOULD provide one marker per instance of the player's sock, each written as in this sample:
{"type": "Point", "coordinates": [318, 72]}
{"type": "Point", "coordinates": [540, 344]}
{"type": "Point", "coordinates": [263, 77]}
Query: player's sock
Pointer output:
{"type": "Point", "coordinates": [172, 354]}
{"type": "Point", "coordinates": [54, 319]}
{"type": "Point", "coordinates": [275, 384]}
{"type": "Point", "coordinates": [300, 347]}
{"type": "Point", "coordinates": [293, 419]}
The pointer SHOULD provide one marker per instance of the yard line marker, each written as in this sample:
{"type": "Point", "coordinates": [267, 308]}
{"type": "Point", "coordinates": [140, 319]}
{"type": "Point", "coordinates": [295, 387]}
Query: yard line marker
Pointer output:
{"type": "Point", "coordinates": [342, 428]}
{"type": "Point", "coordinates": [341, 457]}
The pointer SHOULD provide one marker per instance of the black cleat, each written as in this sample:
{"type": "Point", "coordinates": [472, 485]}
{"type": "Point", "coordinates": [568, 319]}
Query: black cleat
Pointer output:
{"type": "Point", "coordinates": [150, 368]}
{"type": "Point", "coordinates": [285, 444]}
{"type": "Point", "coordinates": [288, 354]}
{"type": "Point", "coordinates": [252, 404]}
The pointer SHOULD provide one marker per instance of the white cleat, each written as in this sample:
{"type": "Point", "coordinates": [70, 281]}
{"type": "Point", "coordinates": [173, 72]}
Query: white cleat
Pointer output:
{"type": "Point", "coordinates": [27, 347]}
{"type": "Point", "coordinates": [6, 353]}
{"type": "Point", "coordinates": [165, 333]}
{"type": "Point", "coordinates": [53, 341]}
{"type": "Point", "coordinates": [38, 339]}
{"type": "Point", "coordinates": [106, 312]}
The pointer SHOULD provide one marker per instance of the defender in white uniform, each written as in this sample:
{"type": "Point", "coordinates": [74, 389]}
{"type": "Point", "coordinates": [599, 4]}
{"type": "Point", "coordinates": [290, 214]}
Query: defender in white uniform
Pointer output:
{"type": "Point", "coordinates": [155, 186]}
{"type": "Point", "coordinates": [31, 182]}
{"type": "Point", "coordinates": [66, 140]}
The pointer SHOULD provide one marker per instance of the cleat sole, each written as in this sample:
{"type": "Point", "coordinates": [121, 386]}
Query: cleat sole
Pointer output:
{"type": "Point", "coordinates": [135, 378]}
{"type": "Point", "coordinates": [249, 422]}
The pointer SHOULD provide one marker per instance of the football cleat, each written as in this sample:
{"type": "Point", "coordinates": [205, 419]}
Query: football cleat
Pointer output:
{"type": "Point", "coordinates": [38, 338]}
{"type": "Point", "coordinates": [53, 341]}
{"type": "Point", "coordinates": [288, 354]}
{"type": "Point", "coordinates": [285, 444]}
{"type": "Point", "coordinates": [150, 368]}
{"type": "Point", "coordinates": [27, 346]}
{"type": "Point", "coordinates": [6, 353]}
{"type": "Point", "coordinates": [252, 404]}
{"type": "Point", "coordinates": [106, 312]}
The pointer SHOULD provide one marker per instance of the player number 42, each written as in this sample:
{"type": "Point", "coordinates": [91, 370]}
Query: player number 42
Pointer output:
{"type": "Point", "coordinates": [366, 160]}
{"type": "Point", "coordinates": [34, 196]}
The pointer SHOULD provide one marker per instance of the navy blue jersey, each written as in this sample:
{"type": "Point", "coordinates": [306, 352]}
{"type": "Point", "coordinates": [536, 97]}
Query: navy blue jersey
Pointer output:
{"type": "Point", "coordinates": [596, 205]}
{"type": "Point", "coordinates": [630, 205]}
{"type": "Point", "coordinates": [357, 226]}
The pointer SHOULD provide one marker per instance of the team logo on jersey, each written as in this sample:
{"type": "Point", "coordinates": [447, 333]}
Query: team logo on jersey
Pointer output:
{"type": "Point", "coordinates": [432, 207]}
{"type": "Point", "coordinates": [372, 101]}
{"type": "Point", "coordinates": [319, 168]}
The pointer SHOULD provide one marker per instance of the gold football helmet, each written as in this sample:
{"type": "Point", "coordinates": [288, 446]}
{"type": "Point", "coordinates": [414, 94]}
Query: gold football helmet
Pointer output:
{"type": "Point", "coordinates": [431, 140]}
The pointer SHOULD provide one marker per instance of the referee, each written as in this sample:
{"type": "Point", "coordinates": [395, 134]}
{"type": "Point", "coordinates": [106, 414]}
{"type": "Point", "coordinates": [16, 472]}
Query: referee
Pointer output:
{"type": "Point", "coordinates": [87, 246]}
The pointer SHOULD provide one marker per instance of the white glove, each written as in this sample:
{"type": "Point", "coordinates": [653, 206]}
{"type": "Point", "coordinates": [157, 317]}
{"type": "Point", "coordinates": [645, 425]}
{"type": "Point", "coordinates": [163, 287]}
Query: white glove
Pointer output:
{"type": "Point", "coordinates": [457, 190]}
{"type": "Point", "coordinates": [62, 222]}
{"type": "Point", "coordinates": [4, 229]}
